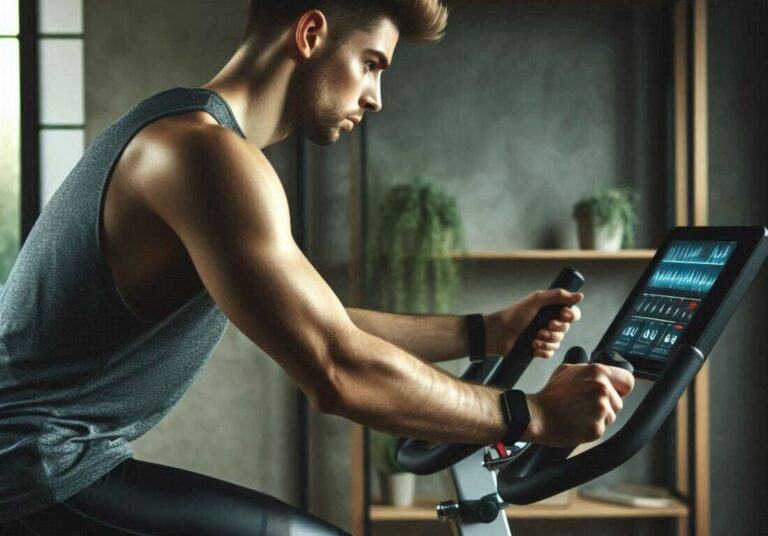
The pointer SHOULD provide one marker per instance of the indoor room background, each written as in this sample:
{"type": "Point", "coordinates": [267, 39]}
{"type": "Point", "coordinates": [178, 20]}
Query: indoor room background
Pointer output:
{"type": "Point", "coordinates": [523, 109]}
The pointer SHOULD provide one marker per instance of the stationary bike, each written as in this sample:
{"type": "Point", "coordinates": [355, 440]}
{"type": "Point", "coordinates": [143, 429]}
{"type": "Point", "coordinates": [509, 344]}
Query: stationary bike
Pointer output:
{"type": "Point", "coordinates": [663, 333]}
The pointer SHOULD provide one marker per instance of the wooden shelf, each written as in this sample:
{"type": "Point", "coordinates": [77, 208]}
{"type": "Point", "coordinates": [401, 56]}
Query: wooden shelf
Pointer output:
{"type": "Point", "coordinates": [579, 508]}
{"type": "Point", "coordinates": [558, 254]}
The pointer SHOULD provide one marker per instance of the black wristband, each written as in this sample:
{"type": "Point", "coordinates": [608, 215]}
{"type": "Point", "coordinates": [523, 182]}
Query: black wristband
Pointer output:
{"type": "Point", "coordinates": [476, 336]}
{"type": "Point", "coordinates": [514, 407]}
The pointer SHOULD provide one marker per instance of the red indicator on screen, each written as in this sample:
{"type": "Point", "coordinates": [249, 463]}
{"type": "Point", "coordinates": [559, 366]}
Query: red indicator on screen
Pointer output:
{"type": "Point", "coordinates": [692, 305]}
{"type": "Point", "coordinates": [678, 327]}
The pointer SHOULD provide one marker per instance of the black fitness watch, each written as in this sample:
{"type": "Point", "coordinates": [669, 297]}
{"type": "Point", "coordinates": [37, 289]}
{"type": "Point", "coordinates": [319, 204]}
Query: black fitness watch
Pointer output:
{"type": "Point", "coordinates": [476, 336]}
{"type": "Point", "coordinates": [514, 407]}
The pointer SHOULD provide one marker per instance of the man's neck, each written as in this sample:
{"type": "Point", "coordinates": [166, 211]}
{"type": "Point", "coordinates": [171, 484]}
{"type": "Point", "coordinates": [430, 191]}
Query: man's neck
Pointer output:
{"type": "Point", "coordinates": [255, 84]}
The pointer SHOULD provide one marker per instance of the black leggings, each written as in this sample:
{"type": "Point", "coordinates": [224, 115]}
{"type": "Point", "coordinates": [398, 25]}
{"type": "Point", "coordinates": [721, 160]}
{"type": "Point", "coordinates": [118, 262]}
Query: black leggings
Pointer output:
{"type": "Point", "coordinates": [146, 498]}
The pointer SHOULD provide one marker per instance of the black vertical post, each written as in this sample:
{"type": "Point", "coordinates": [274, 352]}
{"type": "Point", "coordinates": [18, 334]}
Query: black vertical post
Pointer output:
{"type": "Point", "coordinates": [302, 406]}
{"type": "Point", "coordinates": [30, 119]}
{"type": "Point", "coordinates": [364, 280]}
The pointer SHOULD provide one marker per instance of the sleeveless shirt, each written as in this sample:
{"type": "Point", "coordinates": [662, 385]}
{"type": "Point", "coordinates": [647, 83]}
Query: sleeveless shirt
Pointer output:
{"type": "Point", "coordinates": [81, 374]}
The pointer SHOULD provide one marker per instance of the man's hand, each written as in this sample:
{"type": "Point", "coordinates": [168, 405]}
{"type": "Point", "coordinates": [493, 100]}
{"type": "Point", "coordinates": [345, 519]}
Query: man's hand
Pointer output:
{"type": "Point", "coordinates": [577, 404]}
{"type": "Point", "coordinates": [505, 326]}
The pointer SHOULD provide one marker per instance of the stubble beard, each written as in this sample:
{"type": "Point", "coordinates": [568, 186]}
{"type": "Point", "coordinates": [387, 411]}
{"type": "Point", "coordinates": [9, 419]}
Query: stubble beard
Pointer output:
{"type": "Point", "coordinates": [319, 116]}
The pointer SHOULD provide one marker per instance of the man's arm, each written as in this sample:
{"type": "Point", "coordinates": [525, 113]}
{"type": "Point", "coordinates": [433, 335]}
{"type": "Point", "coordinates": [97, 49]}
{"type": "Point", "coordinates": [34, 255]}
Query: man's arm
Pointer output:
{"type": "Point", "coordinates": [221, 196]}
{"type": "Point", "coordinates": [444, 337]}
{"type": "Point", "coordinates": [430, 337]}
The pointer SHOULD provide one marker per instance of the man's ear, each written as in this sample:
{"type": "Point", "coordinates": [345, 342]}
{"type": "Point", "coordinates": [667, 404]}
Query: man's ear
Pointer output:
{"type": "Point", "coordinates": [311, 32]}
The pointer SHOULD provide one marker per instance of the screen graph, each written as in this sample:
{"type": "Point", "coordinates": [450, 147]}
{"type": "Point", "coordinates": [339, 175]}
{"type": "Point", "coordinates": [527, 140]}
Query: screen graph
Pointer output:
{"type": "Point", "coordinates": [672, 296]}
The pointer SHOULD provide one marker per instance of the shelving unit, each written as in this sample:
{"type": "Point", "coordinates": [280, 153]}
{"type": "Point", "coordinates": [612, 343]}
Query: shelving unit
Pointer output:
{"type": "Point", "coordinates": [690, 207]}
{"type": "Point", "coordinates": [558, 255]}
{"type": "Point", "coordinates": [579, 508]}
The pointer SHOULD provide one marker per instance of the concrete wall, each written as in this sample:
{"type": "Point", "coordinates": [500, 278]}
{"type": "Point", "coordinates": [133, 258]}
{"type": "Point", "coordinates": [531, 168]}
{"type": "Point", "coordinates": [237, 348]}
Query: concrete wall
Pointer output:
{"type": "Point", "coordinates": [738, 167]}
{"type": "Point", "coordinates": [520, 111]}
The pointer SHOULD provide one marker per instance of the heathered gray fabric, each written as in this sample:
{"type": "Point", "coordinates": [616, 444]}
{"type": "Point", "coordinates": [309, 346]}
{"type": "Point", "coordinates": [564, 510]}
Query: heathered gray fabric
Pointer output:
{"type": "Point", "coordinates": [81, 374]}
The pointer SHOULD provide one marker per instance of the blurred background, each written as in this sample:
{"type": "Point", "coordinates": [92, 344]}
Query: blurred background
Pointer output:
{"type": "Point", "coordinates": [525, 109]}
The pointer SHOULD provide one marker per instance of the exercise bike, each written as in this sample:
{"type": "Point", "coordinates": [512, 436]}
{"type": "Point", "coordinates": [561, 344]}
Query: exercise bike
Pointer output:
{"type": "Point", "coordinates": [663, 334]}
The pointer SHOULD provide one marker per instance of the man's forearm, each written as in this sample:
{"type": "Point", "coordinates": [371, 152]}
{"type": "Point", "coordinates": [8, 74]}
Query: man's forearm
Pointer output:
{"type": "Point", "coordinates": [430, 337]}
{"type": "Point", "coordinates": [381, 385]}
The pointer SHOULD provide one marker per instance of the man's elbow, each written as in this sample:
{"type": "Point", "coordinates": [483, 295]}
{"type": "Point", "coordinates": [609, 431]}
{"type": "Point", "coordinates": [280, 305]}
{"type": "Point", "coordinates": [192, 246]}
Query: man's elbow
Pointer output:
{"type": "Point", "coordinates": [336, 389]}
{"type": "Point", "coordinates": [332, 395]}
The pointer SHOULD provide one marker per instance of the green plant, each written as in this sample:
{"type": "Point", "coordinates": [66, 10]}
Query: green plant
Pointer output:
{"type": "Point", "coordinates": [610, 207]}
{"type": "Point", "coordinates": [410, 266]}
{"type": "Point", "coordinates": [384, 452]}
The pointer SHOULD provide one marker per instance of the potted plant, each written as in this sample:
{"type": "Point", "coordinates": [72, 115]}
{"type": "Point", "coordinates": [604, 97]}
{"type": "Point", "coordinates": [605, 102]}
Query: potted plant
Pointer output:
{"type": "Point", "coordinates": [398, 487]}
{"type": "Point", "coordinates": [606, 218]}
{"type": "Point", "coordinates": [411, 266]}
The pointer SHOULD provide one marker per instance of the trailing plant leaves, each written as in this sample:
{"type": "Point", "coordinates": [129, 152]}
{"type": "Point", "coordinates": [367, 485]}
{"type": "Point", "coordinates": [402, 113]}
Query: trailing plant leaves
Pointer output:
{"type": "Point", "coordinates": [410, 265]}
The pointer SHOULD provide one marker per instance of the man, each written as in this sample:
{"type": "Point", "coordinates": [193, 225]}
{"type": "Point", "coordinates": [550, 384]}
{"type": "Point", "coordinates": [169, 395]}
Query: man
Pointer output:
{"type": "Point", "coordinates": [172, 224]}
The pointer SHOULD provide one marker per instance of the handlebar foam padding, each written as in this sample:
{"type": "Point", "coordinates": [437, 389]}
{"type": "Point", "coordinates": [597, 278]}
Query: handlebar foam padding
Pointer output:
{"type": "Point", "coordinates": [682, 366]}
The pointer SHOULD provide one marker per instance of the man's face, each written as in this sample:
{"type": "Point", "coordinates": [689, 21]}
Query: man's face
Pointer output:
{"type": "Point", "coordinates": [337, 86]}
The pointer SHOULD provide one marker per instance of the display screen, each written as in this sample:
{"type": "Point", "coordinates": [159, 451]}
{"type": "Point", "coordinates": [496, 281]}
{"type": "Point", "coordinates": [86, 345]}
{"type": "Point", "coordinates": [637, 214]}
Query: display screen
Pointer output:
{"type": "Point", "coordinates": [671, 297]}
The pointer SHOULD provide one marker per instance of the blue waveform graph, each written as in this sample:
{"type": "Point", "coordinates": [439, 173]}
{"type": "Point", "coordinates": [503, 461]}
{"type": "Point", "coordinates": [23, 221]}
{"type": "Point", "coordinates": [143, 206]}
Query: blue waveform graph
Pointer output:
{"type": "Point", "coordinates": [687, 279]}
{"type": "Point", "coordinates": [710, 253]}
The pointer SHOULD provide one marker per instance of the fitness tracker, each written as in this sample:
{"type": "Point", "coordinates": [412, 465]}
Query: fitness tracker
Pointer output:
{"type": "Point", "coordinates": [514, 407]}
{"type": "Point", "coordinates": [476, 336]}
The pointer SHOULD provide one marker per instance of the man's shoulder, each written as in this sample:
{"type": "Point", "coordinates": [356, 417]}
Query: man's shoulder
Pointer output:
{"type": "Point", "coordinates": [189, 167]}
{"type": "Point", "coordinates": [191, 146]}
{"type": "Point", "coordinates": [196, 137]}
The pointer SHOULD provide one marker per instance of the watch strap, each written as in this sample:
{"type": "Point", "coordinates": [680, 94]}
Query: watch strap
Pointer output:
{"type": "Point", "coordinates": [476, 336]}
{"type": "Point", "coordinates": [514, 407]}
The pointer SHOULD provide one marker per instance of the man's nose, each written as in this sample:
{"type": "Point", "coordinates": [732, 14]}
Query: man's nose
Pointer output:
{"type": "Point", "coordinates": [371, 100]}
{"type": "Point", "coordinates": [371, 103]}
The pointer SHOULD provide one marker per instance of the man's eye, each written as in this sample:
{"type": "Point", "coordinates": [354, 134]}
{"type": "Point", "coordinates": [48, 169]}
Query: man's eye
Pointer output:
{"type": "Point", "coordinates": [370, 65]}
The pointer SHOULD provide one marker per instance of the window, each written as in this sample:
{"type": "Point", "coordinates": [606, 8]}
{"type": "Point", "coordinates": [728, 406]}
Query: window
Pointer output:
{"type": "Point", "coordinates": [41, 50]}
{"type": "Point", "coordinates": [10, 137]}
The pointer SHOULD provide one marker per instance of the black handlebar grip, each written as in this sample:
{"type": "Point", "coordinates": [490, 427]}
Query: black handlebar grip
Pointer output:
{"type": "Point", "coordinates": [537, 456]}
{"type": "Point", "coordinates": [613, 359]}
{"type": "Point", "coordinates": [521, 354]}
{"type": "Point", "coordinates": [576, 355]}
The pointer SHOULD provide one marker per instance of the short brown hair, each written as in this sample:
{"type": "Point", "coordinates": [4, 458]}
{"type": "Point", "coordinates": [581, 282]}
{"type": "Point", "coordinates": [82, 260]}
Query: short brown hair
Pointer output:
{"type": "Point", "coordinates": [419, 21]}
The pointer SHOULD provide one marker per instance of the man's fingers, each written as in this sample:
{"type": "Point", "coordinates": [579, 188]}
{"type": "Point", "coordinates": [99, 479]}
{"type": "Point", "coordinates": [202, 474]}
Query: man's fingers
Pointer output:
{"type": "Point", "coordinates": [559, 325]}
{"type": "Point", "coordinates": [557, 296]}
{"type": "Point", "coordinates": [543, 345]}
{"type": "Point", "coordinates": [621, 380]}
{"type": "Point", "coordinates": [570, 314]}
{"type": "Point", "coordinates": [550, 336]}
{"type": "Point", "coordinates": [616, 403]}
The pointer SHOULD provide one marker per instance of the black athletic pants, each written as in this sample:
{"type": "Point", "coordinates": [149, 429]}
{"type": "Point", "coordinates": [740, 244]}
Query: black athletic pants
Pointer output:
{"type": "Point", "coordinates": [146, 498]}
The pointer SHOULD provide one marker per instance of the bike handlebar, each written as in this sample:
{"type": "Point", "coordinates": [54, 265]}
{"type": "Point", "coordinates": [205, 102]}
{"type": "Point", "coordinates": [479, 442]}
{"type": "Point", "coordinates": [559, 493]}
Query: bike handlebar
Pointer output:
{"type": "Point", "coordinates": [517, 486]}
{"type": "Point", "coordinates": [424, 458]}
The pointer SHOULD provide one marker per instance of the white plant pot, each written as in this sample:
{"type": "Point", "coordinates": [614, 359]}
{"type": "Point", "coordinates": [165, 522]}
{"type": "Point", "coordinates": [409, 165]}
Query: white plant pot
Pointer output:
{"type": "Point", "coordinates": [599, 238]}
{"type": "Point", "coordinates": [398, 489]}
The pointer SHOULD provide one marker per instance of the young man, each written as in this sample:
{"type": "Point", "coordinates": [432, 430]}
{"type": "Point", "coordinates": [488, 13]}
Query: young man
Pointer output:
{"type": "Point", "coordinates": [172, 224]}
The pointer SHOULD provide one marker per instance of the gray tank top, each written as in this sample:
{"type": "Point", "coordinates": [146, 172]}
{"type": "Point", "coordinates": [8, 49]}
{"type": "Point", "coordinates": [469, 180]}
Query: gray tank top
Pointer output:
{"type": "Point", "coordinates": [81, 374]}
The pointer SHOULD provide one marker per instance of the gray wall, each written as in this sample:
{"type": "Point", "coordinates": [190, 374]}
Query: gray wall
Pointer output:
{"type": "Point", "coordinates": [518, 113]}
{"type": "Point", "coordinates": [522, 110]}
{"type": "Point", "coordinates": [738, 167]}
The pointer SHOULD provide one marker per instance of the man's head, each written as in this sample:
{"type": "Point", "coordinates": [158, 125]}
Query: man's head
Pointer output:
{"type": "Point", "coordinates": [340, 48]}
